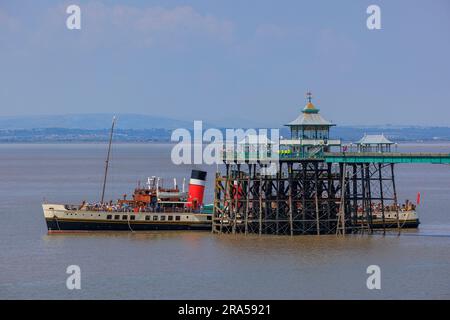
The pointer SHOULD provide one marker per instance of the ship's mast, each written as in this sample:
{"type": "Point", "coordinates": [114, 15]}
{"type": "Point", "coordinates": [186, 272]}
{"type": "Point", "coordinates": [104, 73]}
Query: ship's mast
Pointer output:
{"type": "Point", "coordinates": [107, 158]}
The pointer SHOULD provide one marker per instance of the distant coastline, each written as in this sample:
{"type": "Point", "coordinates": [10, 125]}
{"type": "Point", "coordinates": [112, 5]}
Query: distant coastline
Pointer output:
{"type": "Point", "coordinates": [87, 128]}
{"type": "Point", "coordinates": [161, 135]}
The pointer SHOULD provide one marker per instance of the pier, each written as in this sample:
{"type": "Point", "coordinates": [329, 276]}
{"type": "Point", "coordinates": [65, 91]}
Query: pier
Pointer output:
{"type": "Point", "coordinates": [317, 188]}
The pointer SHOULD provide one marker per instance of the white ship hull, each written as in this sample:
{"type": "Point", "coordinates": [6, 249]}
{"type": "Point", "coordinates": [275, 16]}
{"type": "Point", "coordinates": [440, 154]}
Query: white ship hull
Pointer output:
{"type": "Point", "coordinates": [406, 219]}
{"type": "Point", "coordinates": [64, 218]}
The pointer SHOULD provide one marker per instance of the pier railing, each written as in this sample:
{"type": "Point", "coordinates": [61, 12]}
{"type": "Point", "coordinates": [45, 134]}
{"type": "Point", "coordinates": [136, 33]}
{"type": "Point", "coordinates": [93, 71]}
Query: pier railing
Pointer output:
{"type": "Point", "coordinates": [270, 156]}
{"type": "Point", "coordinates": [340, 157]}
{"type": "Point", "coordinates": [387, 157]}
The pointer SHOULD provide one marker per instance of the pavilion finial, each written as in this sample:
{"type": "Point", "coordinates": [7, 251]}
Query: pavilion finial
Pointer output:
{"type": "Point", "coordinates": [309, 96]}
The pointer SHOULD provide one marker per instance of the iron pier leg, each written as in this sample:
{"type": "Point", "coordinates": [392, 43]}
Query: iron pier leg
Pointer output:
{"type": "Point", "coordinates": [260, 204]}
{"type": "Point", "coordinates": [380, 175]}
{"type": "Point", "coordinates": [395, 198]}
{"type": "Point", "coordinates": [316, 197]}
{"type": "Point", "coordinates": [291, 224]}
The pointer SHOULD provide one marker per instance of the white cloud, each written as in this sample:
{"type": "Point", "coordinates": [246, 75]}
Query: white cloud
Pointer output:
{"type": "Point", "coordinates": [112, 25]}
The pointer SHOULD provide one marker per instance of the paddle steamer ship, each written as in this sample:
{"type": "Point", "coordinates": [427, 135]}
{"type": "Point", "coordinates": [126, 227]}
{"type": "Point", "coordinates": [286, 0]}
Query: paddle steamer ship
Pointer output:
{"type": "Point", "coordinates": [152, 207]}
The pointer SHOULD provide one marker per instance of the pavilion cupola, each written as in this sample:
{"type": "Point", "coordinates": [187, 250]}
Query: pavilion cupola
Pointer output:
{"type": "Point", "coordinates": [310, 125]}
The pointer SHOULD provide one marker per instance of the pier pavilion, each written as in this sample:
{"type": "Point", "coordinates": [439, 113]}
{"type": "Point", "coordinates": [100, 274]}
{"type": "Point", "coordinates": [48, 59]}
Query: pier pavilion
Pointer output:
{"type": "Point", "coordinates": [310, 133]}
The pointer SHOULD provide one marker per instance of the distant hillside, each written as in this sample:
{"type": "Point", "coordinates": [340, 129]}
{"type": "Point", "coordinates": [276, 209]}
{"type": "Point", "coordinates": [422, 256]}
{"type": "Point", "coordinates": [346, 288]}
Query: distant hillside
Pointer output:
{"type": "Point", "coordinates": [91, 121]}
{"type": "Point", "coordinates": [138, 127]}
{"type": "Point", "coordinates": [163, 134]}
{"type": "Point", "coordinates": [83, 135]}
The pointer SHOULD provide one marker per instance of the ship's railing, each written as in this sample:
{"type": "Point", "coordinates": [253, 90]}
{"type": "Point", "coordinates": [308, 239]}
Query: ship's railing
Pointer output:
{"type": "Point", "coordinates": [129, 209]}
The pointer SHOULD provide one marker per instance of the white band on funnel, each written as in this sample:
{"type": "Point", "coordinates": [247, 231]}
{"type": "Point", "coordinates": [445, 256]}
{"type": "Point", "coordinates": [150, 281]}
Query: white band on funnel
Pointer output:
{"type": "Point", "coordinates": [197, 182]}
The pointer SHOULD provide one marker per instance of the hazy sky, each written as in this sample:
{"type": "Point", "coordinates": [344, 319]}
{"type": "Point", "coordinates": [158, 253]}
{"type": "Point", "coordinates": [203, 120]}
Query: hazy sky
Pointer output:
{"type": "Point", "coordinates": [216, 60]}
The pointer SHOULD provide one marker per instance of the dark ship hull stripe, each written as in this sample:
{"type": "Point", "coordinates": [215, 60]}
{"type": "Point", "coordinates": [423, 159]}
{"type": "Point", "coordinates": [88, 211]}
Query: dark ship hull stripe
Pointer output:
{"type": "Point", "coordinates": [84, 225]}
{"type": "Point", "coordinates": [393, 224]}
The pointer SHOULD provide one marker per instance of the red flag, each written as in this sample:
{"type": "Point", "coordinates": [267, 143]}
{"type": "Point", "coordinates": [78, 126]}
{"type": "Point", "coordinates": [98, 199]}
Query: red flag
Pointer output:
{"type": "Point", "coordinates": [418, 198]}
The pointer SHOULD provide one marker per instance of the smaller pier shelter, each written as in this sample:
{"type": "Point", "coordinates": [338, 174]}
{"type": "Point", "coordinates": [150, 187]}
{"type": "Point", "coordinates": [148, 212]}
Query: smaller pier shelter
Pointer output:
{"type": "Point", "coordinates": [374, 143]}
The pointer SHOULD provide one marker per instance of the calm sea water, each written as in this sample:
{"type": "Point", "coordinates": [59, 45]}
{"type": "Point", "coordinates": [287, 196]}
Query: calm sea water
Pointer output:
{"type": "Point", "coordinates": [196, 265]}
